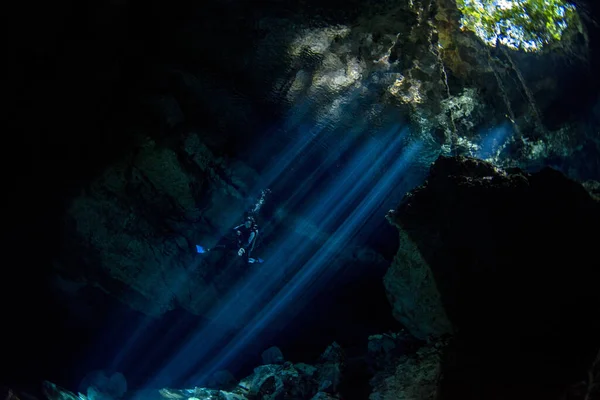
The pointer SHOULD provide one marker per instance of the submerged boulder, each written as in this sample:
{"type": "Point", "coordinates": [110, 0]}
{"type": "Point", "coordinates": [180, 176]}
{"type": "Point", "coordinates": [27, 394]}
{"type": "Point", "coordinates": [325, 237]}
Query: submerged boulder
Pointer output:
{"type": "Point", "coordinates": [278, 382]}
{"type": "Point", "coordinates": [189, 394]}
{"type": "Point", "coordinates": [330, 368]}
{"type": "Point", "coordinates": [508, 261]}
{"type": "Point", "coordinates": [221, 379]}
{"type": "Point", "coordinates": [413, 293]}
{"type": "Point", "coordinates": [272, 355]}
{"type": "Point", "coordinates": [100, 385]}
{"type": "Point", "coordinates": [270, 382]}
{"type": "Point", "coordinates": [384, 349]}
{"type": "Point", "coordinates": [413, 377]}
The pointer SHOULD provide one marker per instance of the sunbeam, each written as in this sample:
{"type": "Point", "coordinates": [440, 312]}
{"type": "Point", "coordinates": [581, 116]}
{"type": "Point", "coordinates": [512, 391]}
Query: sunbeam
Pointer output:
{"type": "Point", "coordinates": [334, 178]}
{"type": "Point", "coordinates": [493, 142]}
{"type": "Point", "coordinates": [312, 275]}
{"type": "Point", "coordinates": [352, 195]}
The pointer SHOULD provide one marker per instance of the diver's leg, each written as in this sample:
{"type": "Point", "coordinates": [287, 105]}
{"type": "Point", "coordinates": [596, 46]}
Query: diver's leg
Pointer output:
{"type": "Point", "coordinates": [245, 257]}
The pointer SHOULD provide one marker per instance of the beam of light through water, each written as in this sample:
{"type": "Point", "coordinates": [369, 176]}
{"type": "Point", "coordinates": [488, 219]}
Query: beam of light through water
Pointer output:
{"type": "Point", "coordinates": [306, 281]}
{"type": "Point", "coordinates": [493, 141]}
{"type": "Point", "coordinates": [356, 184]}
{"type": "Point", "coordinates": [353, 191]}
{"type": "Point", "coordinates": [294, 153]}
{"type": "Point", "coordinates": [297, 150]}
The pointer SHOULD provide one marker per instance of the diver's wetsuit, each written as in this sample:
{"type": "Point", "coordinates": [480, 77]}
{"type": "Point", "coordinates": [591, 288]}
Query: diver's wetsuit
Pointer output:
{"type": "Point", "coordinates": [244, 240]}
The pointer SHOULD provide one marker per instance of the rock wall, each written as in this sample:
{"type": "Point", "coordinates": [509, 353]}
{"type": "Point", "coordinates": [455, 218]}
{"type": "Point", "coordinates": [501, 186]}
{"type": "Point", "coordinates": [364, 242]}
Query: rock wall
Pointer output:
{"type": "Point", "coordinates": [133, 231]}
{"type": "Point", "coordinates": [412, 291]}
{"type": "Point", "coordinates": [414, 377]}
{"type": "Point", "coordinates": [513, 259]}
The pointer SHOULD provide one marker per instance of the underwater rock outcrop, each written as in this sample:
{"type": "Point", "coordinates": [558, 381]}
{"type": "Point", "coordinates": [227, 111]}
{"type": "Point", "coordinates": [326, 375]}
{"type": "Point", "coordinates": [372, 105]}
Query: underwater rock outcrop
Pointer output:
{"type": "Point", "coordinates": [272, 355]}
{"type": "Point", "coordinates": [103, 385]}
{"type": "Point", "coordinates": [509, 260]}
{"type": "Point", "coordinates": [285, 381]}
{"type": "Point", "coordinates": [383, 350]}
{"type": "Point", "coordinates": [132, 231]}
{"type": "Point", "coordinates": [412, 291]}
{"type": "Point", "coordinates": [403, 367]}
{"type": "Point", "coordinates": [267, 382]}
{"type": "Point", "coordinates": [413, 376]}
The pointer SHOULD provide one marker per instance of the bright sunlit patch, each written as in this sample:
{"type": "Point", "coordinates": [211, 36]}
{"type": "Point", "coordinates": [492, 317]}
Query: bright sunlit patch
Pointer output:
{"type": "Point", "coordinates": [517, 24]}
{"type": "Point", "coordinates": [316, 41]}
{"type": "Point", "coordinates": [493, 142]}
{"type": "Point", "coordinates": [335, 73]}
{"type": "Point", "coordinates": [408, 91]}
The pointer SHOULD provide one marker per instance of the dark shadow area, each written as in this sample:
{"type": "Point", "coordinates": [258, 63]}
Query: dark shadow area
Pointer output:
{"type": "Point", "coordinates": [514, 266]}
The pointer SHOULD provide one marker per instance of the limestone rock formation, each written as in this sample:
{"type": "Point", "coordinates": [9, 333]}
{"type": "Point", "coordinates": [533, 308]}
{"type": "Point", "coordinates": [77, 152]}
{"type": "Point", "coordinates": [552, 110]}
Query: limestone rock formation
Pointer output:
{"type": "Point", "coordinates": [221, 379]}
{"type": "Point", "coordinates": [414, 376]}
{"type": "Point", "coordinates": [101, 384]}
{"type": "Point", "coordinates": [132, 231]}
{"type": "Point", "coordinates": [412, 291]}
{"type": "Point", "coordinates": [272, 355]}
{"type": "Point", "coordinates": [383, 350]}
{"type": "Point", "coordinates": [509, 259]}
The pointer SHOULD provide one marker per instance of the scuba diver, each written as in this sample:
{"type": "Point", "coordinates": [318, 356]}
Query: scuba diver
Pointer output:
{"type": "Point", "coordinates": [245, 236]}
{"type": "Point", "coordinates": [244, 241]}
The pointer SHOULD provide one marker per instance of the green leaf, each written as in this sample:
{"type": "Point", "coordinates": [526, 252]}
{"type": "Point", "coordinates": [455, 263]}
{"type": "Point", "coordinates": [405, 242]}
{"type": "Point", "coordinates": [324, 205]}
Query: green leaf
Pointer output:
{"type": "Point", "coordinates": [540, 21]}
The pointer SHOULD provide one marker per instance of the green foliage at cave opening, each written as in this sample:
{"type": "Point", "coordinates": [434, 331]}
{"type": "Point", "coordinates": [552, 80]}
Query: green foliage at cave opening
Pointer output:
{"type": "Point", "coordinates": [525, 25]}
